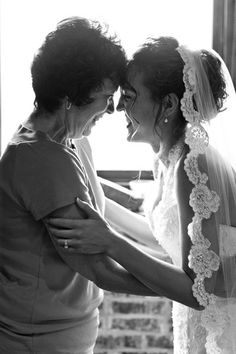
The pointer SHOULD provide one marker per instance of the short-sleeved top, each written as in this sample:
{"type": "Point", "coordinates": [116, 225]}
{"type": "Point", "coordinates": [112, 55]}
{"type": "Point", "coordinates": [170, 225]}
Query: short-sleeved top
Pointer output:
{"type": "Point", "coordinates": [39, 292]}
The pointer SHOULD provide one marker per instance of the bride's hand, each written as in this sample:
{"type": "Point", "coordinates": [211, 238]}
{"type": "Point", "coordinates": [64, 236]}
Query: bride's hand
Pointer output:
{"type": "Point", "coordinates": [89, 236]}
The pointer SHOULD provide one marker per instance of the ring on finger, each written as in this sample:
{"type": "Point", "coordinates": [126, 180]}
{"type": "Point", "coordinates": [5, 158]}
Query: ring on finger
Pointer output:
{"type": "Point", "coordinates": [66, 245]}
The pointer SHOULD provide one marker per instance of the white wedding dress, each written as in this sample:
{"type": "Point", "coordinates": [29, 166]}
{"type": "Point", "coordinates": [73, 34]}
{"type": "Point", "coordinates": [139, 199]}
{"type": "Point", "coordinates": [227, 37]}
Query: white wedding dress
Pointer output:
{"type": "Point", "coordinates": [195, 332]}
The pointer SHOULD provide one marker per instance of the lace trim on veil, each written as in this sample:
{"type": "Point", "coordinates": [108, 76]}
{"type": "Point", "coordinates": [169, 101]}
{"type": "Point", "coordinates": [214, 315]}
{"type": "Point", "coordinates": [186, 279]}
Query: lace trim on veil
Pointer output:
{"type": "Point", "coordinates": [203, 201]}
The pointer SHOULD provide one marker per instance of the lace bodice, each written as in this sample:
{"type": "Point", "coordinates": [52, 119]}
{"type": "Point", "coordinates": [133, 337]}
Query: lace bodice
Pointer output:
{"type": "Point", "coordinates": [164, 216]}
{"type": "Point", "coordinates": [195, 332]}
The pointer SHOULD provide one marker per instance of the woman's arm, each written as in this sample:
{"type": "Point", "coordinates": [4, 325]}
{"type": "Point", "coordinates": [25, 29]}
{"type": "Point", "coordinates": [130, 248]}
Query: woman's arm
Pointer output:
{"type": "Point", "coordinates": [99, 268]}
{"type": "Point", "coordinates": [135, 226]}
{"type": "Point", "coordinates": [163, 278]}
{"type": "Point", "coordinates": [170, 281]}
{"type": "Point", "coordinates": [121, 218]}
{"type": "Point", "coordinates": [129, 223]}
{"type": "Point", "coordinates": [94, 235]}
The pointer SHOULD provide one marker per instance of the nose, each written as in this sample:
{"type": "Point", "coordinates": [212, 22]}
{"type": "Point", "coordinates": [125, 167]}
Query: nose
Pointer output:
{"type": "Point", "coordinates": [110, 108]}
{"type": "Point", "coordinates": [120, 105]}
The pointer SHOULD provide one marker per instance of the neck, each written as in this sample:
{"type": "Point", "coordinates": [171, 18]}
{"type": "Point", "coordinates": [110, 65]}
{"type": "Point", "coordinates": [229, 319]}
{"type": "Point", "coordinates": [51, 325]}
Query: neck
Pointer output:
{"type": "Point", "coordinates": [51, 124]}
{"type": "Point", "coordinates": [165, 149]}
{"type": "Point", "coordinates": [163, 153]}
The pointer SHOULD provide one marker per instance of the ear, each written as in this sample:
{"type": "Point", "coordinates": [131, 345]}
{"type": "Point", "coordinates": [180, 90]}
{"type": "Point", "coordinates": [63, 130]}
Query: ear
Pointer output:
{"type": "Point", "coordinates": [171, 104]}
{"type": "Point", "coordinates": [67, 103]}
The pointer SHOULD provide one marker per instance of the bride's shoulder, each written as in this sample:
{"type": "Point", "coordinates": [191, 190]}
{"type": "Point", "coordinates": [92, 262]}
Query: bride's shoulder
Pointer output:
{"type": "Point", "coordinates": [201, 162]}
{"type": "Point", "coordinates": [187, 170]}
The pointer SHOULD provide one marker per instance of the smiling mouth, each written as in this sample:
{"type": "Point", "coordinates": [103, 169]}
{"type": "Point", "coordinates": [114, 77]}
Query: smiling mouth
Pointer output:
{"type": "Point", "coordinates": [129, 122]}
{"type": "Point", "coordinates": [95, 119]}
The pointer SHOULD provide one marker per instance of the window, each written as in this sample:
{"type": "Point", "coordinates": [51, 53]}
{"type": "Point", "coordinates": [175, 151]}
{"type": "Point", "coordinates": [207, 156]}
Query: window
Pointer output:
{"type": "Point", "coordinates": [25, 25]}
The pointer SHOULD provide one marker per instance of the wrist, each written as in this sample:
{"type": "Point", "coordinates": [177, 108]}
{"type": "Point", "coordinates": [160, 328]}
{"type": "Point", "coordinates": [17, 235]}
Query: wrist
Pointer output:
{"type": "Point", "coordinates": [114, 244]}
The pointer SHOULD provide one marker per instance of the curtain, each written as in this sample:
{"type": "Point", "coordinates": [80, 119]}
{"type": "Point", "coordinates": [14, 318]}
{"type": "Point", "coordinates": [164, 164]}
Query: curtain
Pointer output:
{"type": "Point", "coordinates": [224, 33]}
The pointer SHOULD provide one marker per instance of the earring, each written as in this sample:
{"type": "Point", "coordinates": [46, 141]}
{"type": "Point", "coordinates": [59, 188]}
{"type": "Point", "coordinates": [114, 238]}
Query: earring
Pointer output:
{"type": "Point", "coordinates": [166, 120]}
{"type": "Point", "coordinates": [68, 105]}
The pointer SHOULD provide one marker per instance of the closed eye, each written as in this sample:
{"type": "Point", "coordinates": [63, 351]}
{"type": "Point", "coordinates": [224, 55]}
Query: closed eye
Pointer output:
{"type": "Point", "coordinates": [126, 96]}
{"type": "Point", "coordinates": [109, 99]}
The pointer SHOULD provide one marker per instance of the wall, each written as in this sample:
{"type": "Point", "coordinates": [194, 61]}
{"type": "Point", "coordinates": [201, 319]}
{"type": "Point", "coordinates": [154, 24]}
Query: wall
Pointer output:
{"type": "Point", "coordinates": [134, 325]}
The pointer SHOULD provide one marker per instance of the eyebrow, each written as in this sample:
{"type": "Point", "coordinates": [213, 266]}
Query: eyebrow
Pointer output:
{"type": "Point", "coordinates": [127, 86]}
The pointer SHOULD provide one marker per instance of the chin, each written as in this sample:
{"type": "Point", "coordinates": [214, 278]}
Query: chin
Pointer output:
{"type": "Point", "coordinates": [129, 138]}
{"type": "Point", "coordinates": [136, 138]}
{"type": "Point", "coordinates": [87, 131]}
{"type": "Point", "coordinates": [131, 135]}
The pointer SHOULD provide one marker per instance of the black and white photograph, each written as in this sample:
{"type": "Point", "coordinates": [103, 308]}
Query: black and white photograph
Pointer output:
{"type": "Point", "coordinates": [118, 177]}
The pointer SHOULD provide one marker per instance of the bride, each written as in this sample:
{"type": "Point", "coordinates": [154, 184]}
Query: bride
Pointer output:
{"type": "Point", "coordinates": [170, 97]}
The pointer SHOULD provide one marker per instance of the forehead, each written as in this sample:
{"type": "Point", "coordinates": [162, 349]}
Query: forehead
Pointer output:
{"type": "Point", "coordinates": [108, 86]}
{"type": "Point", "coordinates": [134, 79]}
{"type": "Point", "coordinates": [106, 89]}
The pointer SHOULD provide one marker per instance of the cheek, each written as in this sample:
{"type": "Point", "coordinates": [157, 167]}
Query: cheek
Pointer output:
{"type": "Point", "coordinates": [147, 123]}
{"type": "Point", "coordinates": [151, 115]}
{"type": "Point", "coordinates": [103, 105]}
{"type": "Point", "coordinates": [98, 107]}
{"type": "Point", "coordinates": [132, 108]}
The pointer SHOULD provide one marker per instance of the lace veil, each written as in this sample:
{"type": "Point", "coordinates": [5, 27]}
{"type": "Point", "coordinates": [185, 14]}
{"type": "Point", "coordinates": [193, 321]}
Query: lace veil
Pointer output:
{"type": "Point", "coordinates": [211, 135]}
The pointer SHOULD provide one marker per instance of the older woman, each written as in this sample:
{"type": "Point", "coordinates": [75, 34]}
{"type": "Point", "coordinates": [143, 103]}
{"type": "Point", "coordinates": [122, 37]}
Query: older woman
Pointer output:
{"type": "Point", "coordinates": [48, 299]}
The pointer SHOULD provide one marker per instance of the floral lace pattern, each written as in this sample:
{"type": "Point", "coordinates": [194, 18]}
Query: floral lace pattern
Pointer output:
{"type": "Point", "coordinates": [165, 227]}
{"type": "Point", "coordinates": [167, 206]}
{"type": "Point", "coordinates": [211, 330]}
{"type": "Point", "coordinates": [195, 332]}
{"type": "Point", "coordinates": [187, 106]}
{"type": "Point", "coordinates": [197, 138]}
{"type": "Point", "coordinates": [203, 201]}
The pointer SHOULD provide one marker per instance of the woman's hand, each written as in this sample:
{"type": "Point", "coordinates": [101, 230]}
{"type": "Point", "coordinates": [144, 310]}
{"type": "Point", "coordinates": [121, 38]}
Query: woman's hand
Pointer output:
{"type": "Point", "coordinates": [89, 236]}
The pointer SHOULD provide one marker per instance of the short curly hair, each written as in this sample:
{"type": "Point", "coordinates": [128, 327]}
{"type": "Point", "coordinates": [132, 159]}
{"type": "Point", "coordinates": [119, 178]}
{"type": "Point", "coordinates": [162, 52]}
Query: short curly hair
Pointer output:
{"type": "Point", "coordinates": [73, 61]}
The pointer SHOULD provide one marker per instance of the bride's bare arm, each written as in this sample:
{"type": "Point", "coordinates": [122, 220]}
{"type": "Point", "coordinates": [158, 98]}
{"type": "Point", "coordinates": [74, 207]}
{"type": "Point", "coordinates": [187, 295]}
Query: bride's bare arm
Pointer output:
{"type": "Point", "coordinates": [130, 223]}
{"type": "Point", "coordinates": [165, 279]}
{"type": "Point", "coordinates": [94, 235]}
{"type": "Point", "coordinates": [170, 281]}
{"type": "Point", "coordinates": [162, 277]}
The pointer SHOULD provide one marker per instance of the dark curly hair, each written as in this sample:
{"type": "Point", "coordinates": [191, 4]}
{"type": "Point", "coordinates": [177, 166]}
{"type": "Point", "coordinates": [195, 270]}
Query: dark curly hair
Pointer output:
{"type": "Point", "coordinates": [73, 61]}
{"type": "Point", "coordinates": [212, 66]}
{"type": "Point", "coordinates": [162, 69]}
